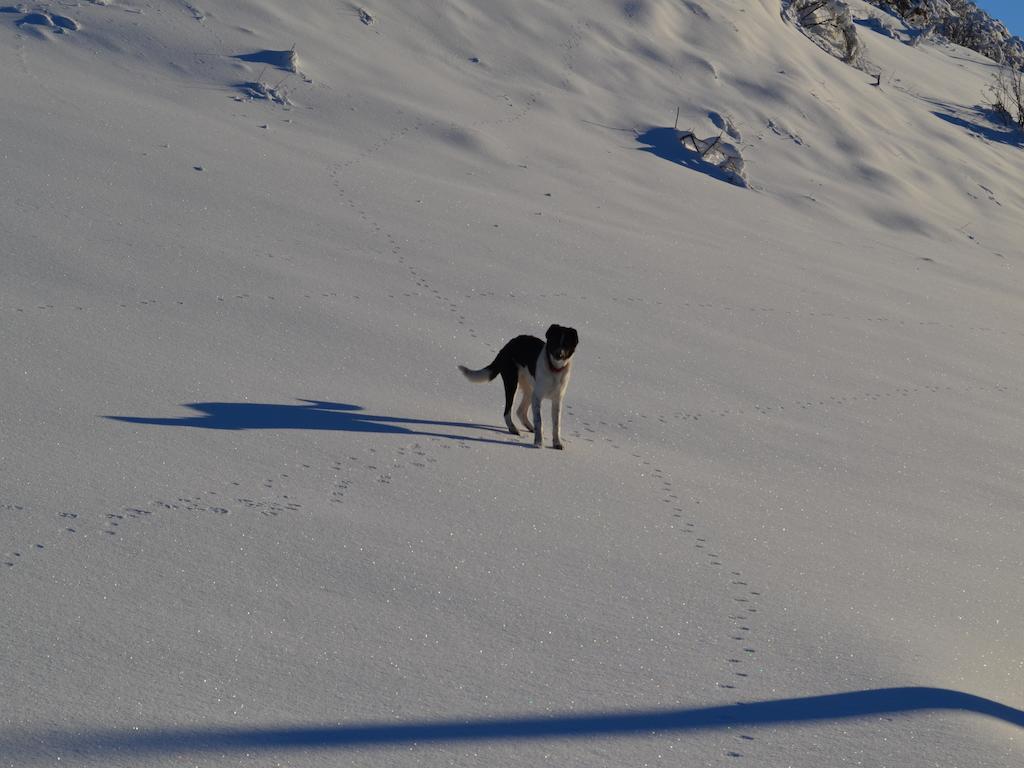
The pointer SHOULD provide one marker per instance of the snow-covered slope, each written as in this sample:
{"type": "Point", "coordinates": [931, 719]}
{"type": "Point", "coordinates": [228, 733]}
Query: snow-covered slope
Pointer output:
{"type": "Point", "coordinates": [251, 514]}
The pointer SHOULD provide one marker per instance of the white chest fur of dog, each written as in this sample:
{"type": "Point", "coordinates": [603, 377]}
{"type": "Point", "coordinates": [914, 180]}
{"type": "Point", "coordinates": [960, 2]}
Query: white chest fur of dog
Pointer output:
{"type": "Point", "coordinates": [542, 369]}
{"type": "Point", "coordinates": [549, 383]}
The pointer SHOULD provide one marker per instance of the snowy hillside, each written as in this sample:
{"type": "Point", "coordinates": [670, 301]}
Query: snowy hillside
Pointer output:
{"type": "Point", "coordinates": [251, 514]}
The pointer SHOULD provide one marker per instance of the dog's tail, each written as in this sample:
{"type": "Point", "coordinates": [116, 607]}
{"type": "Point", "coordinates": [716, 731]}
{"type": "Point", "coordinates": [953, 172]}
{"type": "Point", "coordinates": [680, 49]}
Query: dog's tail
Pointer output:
{"type": "Point", "coordinates": [484, 374]}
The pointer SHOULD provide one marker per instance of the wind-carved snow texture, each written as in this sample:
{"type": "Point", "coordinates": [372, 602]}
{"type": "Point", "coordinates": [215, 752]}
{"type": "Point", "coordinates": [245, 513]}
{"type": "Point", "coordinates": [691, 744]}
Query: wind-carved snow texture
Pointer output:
{"type": "Point", "coordinates": [260, 90]}
{"type": "Point", "coordinates": [40, 20]}
{"type": "Point", "coordinates": [726, 122]}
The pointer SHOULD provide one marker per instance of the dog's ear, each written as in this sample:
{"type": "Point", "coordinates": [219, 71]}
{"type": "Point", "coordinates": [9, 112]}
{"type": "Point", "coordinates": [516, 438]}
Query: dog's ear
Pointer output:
{"type": "Point", "coordinates": [573, 338]}
{"type": "Point", "coordinates": [552, 332]}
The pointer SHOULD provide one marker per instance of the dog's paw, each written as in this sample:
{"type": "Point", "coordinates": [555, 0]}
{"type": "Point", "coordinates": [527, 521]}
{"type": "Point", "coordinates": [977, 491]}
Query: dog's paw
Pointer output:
{"type": "Point", "coordinates": [558, 446]}
{"type": "Point", "coordinates": [513, 431]}
{"type": "Point", "coordinates": [538, 444]}
{"type": "Point", "coordinates": [528, 427]}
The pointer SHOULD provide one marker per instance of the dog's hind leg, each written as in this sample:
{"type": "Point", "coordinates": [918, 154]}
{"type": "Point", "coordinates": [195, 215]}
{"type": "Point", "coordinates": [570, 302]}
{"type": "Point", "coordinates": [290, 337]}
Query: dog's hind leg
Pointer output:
{"type": "Point", "coordinates": [523, 412]}
{"type": "Point", "coordinates": [511, 380]}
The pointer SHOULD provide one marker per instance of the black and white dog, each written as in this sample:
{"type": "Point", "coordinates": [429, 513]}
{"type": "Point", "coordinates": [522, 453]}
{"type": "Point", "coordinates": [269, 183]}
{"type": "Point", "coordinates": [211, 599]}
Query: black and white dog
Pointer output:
{"type": "Point", "coordinates": [542, 369]}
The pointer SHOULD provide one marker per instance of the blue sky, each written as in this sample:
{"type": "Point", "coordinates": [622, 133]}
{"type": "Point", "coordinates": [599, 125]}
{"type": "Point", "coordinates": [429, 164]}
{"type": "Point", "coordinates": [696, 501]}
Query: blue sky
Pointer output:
{"type": "Point", "coordinates": [1010, 12]}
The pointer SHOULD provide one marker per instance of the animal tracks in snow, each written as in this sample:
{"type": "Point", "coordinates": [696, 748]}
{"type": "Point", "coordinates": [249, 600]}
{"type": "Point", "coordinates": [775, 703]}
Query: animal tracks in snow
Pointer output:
{"type": "Point", "coordinates": [423, 286]}
{"type": "Point", "coordinates": [77, 310]}
{"type": "Point", "coordinates": [326, 483]}
{"type": "Point", "coordinates": [740, 599]}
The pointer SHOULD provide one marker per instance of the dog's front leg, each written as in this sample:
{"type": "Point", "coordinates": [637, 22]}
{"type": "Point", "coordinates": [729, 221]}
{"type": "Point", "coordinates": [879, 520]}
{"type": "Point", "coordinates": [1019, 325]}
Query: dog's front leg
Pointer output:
{"type": "Point", "coordinates": [556, 422]}
{"type": "Point", "coordinates": [538, 432]}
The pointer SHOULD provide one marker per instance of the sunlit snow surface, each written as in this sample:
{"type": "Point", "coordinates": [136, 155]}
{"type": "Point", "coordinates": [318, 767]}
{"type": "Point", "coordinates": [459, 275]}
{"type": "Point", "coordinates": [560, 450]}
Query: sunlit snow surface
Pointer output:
{"type": "Point", "coordinates": [251, 514]}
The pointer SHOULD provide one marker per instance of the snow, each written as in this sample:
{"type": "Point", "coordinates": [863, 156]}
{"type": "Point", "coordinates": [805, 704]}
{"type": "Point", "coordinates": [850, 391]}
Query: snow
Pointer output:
{"type": "Point", "coordinates": [252, 514]}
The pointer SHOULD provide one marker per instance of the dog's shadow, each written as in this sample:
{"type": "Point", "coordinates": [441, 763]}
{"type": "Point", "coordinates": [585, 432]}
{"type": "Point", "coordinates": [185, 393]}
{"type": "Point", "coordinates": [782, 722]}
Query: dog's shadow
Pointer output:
{"type": "Point", "coordinates": [314, 415]}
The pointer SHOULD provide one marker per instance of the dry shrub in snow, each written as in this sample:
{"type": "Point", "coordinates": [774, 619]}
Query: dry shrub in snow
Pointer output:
{"type": "Point", "coordinates": [828, 23]}
{"type": "Point", "coordinates": [1007, 92]}
{"type": "Point", "coordinates": [918, 12]}
{"type": "Point", "coordinates": [719, 153]}
{"type": "Point", "coordinates": [963, 23]}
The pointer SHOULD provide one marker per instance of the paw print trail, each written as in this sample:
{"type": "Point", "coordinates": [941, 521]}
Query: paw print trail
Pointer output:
{"type": "Point", "coordinates": [740, 600]}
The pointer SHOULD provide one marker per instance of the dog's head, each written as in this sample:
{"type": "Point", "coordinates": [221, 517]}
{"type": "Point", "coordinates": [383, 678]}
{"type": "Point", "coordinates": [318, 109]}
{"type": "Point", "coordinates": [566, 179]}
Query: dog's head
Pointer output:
{"type": "Point", "coordinates": [562, 343]}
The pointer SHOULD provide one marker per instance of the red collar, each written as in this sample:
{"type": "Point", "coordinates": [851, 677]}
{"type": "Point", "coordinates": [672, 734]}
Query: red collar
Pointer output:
{"type": "Point", "coordinates": [552, 368]}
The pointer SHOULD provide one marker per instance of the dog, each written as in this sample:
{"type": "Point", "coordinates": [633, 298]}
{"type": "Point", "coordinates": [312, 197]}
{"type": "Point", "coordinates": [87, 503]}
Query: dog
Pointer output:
{"type": "Point", "coordinates": [542, 369]}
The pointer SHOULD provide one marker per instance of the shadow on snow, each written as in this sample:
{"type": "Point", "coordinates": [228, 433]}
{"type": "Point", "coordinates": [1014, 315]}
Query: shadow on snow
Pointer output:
{"type": "Point", "coordinates": [986, 124]}
{"type": "Point", "coordinates": [837, 706]}
{"type": "Point", "coordinates": [311, 415]}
